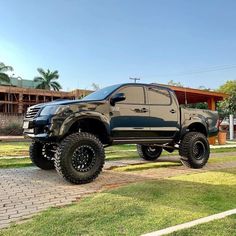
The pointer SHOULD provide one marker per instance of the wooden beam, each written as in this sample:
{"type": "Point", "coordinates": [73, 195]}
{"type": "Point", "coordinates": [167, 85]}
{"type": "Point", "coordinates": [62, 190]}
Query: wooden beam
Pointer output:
{"type": "Point", "coordinates": [211, 104]}
{"type": "Point", "coordinates": [20, 105]}
{"type": "Point", "coordinates": [196, 91]}
{"type": "Point", "coordinates": [30, 91]}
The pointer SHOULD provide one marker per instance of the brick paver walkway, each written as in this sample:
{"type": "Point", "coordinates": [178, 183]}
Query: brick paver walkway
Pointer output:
{"type": "Point", "coordinates": [27, 191]}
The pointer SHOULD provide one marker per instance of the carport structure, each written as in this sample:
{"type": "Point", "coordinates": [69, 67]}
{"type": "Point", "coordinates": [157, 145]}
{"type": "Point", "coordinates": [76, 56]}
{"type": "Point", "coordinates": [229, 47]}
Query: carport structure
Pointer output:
{"type": "Point", "coordinates": [190, 95]}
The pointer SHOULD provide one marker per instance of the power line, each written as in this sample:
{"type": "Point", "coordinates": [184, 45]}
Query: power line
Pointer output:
{"type": "Point", "coordinates": [208, 70]}
{"type": "Point", "coordinates": [199, 71]}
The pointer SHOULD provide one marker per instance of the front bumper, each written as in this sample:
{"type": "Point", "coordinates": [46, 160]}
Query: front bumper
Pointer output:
{"type": "Point", "coordinates": [37, 136]}
{"type": "Point", "coordinates": [43, 128]}
{"type": "Point", "coordinates": [38, 128]}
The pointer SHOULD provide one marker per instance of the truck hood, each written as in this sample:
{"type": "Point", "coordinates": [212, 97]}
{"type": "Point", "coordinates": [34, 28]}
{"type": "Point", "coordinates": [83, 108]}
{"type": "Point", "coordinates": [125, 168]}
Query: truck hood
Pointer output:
{"type": "Point", "coordinates": [66, 102]}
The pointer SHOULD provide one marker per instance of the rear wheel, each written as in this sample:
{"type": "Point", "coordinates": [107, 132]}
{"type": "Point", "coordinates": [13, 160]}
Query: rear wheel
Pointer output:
{"type": "Point", "coordinates": [80, 158]}
{"type": "Point", "coordinates": [194, 150]}
{"type": "Point", "coordinates": [149, 153]}
{"type": "Point", "coordinates": [42, 154]}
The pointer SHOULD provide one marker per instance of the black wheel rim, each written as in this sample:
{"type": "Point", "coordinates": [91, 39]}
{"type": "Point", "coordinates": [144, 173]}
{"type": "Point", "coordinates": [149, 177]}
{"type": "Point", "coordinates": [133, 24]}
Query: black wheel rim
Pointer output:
{"type": "Point", "coordinates": [83, 158]}
{"type": "Point", "coordinates": [153, 151]}
{"type": "Point", "coordinates": [199, 150]}
{"type": "Point", "coordinates": [49, 150]}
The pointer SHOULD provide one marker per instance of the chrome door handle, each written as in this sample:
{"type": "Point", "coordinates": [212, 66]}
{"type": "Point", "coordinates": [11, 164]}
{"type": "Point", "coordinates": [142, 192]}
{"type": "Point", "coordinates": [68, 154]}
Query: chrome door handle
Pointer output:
{"type": "Point", "coordinates": [172, 111]}
{"type": "Point", "coordinates": [144, 110]}
{"type": "Point", "coordinates": [136, 110]}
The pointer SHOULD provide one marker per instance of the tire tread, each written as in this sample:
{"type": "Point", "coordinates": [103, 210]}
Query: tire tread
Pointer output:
{"type": "Point", "coordinates": [36, 157]}
{"type": "Point", "coordinates": [60, 154]}
{"type": "Point", "coordinates": [185, 148]}
{"type": "Point", "coordinates": [143, 155]}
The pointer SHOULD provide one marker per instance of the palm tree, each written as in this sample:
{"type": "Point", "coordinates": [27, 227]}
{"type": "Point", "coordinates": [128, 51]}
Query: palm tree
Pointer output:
{"type": "Point", "coordinates": [3, 76]}
{"type": "Point", "coordinates": [47, 80]}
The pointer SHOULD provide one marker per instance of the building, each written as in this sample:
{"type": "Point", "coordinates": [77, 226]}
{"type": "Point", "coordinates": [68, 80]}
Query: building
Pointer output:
{"type": "Point", "coordinates": [19, 82]}
{"type": "Point", "coordinates": [17, 99]}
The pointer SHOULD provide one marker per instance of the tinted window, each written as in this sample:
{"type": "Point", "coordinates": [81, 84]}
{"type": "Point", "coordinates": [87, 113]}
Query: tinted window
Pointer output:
{"type": "Point", "coordinates": [134, 95]}
{"type": "Point", "coordinates": [159, 96]}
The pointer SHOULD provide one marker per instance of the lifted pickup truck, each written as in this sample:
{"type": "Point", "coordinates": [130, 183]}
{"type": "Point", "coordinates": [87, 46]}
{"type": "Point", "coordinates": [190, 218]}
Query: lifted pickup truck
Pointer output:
{"type": "Point", "coordinates": [70, 135]}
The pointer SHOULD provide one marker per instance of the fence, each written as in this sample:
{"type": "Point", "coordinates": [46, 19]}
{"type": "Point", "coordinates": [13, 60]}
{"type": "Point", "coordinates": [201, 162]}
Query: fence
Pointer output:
{"type": "Point", "coordinates": [10, 119]}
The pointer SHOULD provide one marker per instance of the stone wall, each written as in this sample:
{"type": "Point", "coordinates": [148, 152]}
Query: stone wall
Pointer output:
{"type": "Point", "coordinates": [8, 119]}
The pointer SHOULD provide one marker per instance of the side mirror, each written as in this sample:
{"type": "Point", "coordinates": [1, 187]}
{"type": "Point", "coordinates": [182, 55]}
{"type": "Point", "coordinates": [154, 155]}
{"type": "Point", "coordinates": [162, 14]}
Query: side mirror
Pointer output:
{"type": "Point", "coordinates": [117, 98]}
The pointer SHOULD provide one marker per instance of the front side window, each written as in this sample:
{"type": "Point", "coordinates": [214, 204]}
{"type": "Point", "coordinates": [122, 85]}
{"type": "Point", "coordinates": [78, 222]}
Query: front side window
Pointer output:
{"type": "Point", "coordinates": [134, 95]}
{"type": "Point", "coordinates": [159, 96]}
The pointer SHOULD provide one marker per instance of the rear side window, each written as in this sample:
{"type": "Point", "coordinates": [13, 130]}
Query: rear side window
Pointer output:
{"type": "Point", "coordinates": [134, 95]}
{"type": "Point", "coordinates": [158, 96]}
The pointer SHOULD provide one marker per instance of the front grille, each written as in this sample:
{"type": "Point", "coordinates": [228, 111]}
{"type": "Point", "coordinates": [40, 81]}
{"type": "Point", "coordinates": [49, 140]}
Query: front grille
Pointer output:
{"type": "Point", "coordinates": [32, 112]}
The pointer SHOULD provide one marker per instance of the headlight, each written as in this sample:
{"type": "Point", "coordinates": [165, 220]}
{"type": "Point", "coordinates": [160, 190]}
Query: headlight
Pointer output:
{"type": "Point", "coordinates": [49, 110]}
{"type": "Point", "coordinates": [63, 111]}
{"type": "Point", "coordinates": [59, 110]}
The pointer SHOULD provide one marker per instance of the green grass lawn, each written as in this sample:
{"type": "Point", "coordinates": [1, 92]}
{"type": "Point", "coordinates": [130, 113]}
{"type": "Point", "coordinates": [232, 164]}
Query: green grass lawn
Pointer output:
{"type": "Point", "coordinates": [139, 208]}
{"type": "Point", "coordinates": [223, 227]}
{"type": "Point", "coordinates": [14, 149]}
{"type": "Point", "coordinates": [15, 163]}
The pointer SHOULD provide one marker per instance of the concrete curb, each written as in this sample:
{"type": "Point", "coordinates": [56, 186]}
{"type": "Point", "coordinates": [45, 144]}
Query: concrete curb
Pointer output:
{"type": "Point", "coordinates": [13, 139]}
{"type": "Point", "coordinates": [223, 146]}
{"type": "Point", "coordinates": [192, 223]}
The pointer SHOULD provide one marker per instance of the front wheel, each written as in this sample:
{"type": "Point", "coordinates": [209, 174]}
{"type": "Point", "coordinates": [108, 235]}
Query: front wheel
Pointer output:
{"type": "Point", "coordinates": [42, 154]}
{"type": "Point", "coordinates": [194, 150]}
{"type": "Point", "coordinates": [80, 158]}
{"type": "Point", "coordinates": [149, 153]}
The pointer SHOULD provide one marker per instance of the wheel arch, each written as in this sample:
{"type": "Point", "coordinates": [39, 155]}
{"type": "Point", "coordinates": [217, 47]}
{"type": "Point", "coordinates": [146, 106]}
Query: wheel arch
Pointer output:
{"type": "Point", "coordinates": [196, 127]}
{"type": "Point", "coordinates": [96, 125]}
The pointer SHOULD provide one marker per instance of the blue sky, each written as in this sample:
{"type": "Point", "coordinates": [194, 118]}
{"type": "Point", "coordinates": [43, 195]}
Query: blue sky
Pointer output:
{"type": "Point", "coordinates": [108, 41]}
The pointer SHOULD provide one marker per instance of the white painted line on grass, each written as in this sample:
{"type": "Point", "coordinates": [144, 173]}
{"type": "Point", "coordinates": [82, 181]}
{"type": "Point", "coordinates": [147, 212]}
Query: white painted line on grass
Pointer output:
{"type": "Point", "coordinates": [191, 223]}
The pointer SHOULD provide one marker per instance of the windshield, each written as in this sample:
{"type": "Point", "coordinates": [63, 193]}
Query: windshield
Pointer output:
{"type": "Point", "coordinates": [101, 93]}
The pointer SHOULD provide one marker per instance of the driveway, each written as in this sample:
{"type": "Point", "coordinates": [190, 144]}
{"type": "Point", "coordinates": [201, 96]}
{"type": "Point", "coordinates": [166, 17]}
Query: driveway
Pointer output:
{"type": "Point", "coordinates": [27, 191]}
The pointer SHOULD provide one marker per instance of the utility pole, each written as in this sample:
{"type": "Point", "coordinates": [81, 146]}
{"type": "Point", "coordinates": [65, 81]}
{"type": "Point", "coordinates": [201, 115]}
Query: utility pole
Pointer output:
{"type": "Point", "coordinates": [134, 79]}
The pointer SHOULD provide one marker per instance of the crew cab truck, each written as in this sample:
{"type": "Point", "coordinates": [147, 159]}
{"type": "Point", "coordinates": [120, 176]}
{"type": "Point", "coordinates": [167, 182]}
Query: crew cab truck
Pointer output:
{"type": "Point", "coordinates": [70, 135]}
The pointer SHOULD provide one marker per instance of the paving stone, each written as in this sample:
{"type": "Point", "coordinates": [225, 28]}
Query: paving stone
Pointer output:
{"type": "Point", "coordinates": [3, 217]}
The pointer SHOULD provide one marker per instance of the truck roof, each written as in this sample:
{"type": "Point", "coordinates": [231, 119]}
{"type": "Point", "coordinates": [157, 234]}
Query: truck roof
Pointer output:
{"type": "Point", "coordinates": [151, 84]}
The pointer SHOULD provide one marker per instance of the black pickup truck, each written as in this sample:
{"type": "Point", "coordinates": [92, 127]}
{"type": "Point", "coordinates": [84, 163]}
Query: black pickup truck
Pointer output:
{"type": "Point", "coordinates": [70, 135]}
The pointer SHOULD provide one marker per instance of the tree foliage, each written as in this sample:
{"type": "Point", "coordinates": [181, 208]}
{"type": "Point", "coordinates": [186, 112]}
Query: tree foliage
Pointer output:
{"type": "Point", "coordinates": [46, 80]}
{"type": "Point", "coordinates": [202, 87]}
{"type": "Point", "coordinates": [199, 105]}
{"type": "Point", "coordinates": [229, 87]}
{"type": "Point", "coordinates": [173, 83]}
{"type": "Point", "coordinates": [228, 106]}
{"type": "Point", "coordinates": [95, 86]}
{"type": "Point", "coordinates": [4, 77]}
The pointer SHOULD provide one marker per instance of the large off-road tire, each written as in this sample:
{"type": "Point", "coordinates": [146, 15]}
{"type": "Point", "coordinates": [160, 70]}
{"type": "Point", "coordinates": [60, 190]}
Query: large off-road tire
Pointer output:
{"type": "Point", "coordinates": [42, 155]}
{"type": "Point", "coordinates": [80, 158]}
{"type": "Point", "coordinates": [149, 153]}
{"type": "Point", "coordinates": [194, 150]}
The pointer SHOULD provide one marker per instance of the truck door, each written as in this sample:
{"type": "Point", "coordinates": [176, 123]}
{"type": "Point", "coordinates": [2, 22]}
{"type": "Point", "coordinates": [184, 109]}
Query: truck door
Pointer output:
{"type": "Point", "coordinates": [164, 112]}
{"type": "Point", "coordinates": [129, 118]}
